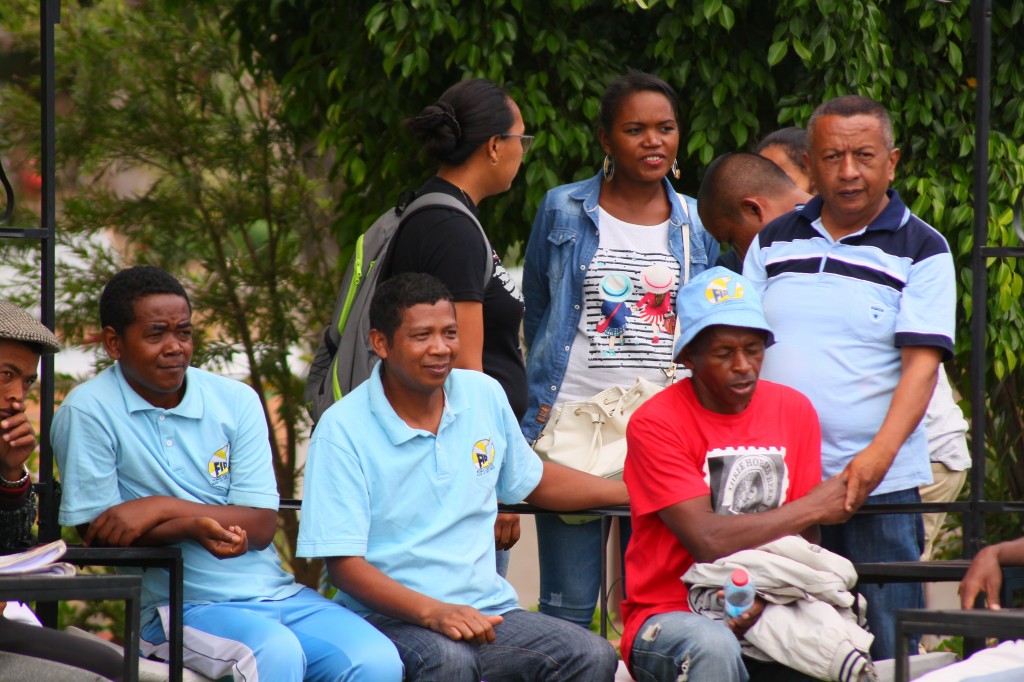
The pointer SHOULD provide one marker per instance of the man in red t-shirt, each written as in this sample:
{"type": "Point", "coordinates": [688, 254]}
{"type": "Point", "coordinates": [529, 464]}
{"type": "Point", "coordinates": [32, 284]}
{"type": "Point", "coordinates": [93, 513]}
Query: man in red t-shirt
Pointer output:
{"type": "Point", "coordinates": [718, 463]}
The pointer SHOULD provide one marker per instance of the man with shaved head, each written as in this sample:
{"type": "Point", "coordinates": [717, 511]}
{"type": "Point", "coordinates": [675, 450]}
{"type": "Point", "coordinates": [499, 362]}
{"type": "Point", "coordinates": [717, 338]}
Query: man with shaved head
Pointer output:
{"type": "Point", "coordinates": [739, 195]}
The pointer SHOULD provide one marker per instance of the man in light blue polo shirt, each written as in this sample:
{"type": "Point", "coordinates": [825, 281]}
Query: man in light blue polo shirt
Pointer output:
{"type": "Point", "coordinates": [154, 452]}
{"type": "Point", "coordinates": [403, 478]}
{"type": "Point", "coordinates": [861, 295]}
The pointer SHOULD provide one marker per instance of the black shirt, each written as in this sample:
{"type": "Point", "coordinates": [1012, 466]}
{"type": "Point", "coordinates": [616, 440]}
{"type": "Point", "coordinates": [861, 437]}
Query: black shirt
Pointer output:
{"type": "Point", "coordinates": [446, 244]}
{"type": "Point", "coordinates": [731, 260]}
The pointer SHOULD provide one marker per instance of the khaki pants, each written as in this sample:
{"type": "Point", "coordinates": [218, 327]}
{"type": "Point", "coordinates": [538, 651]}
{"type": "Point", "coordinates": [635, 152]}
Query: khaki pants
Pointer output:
{"type": "Point", "coordinates": [945, 488]}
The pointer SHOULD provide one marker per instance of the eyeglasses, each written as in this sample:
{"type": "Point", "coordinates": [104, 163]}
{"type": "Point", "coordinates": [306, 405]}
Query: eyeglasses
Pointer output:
{"type": "Point", "coordinates": [525, 140]}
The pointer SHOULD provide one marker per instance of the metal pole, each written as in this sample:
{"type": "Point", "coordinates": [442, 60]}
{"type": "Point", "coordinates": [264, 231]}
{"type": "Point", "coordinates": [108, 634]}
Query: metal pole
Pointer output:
{"type": "Point", "coordinates": [974, 534]}
{"type": "Point", "coordinates": [49, 529]}
{"type": "Point", "coordinates": [49, 14]}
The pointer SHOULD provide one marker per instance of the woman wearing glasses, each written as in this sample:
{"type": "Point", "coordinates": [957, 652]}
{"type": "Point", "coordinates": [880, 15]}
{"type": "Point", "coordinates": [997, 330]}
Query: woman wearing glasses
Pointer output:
{"type": "Point", "coordinates": [476, 132]}
{"type": "Point", "coordinates": [603, 263]}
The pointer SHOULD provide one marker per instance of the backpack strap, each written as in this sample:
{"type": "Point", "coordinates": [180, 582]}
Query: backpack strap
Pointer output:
{"type": "Point", "coordinates": [434, 200]}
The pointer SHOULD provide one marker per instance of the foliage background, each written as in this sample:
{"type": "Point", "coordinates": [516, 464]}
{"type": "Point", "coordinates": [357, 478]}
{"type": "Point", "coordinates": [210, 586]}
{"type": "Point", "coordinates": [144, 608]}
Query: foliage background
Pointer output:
{"type": "Point", "coordinates": [323, 152]}
{"type": "Point", "coordinates": [352, 72]}
{"type": "Point", "coordinates": [171, 154]}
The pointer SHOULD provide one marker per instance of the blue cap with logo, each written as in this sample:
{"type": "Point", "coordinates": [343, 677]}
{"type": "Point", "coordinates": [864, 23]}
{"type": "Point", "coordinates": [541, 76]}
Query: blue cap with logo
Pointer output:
{"type": "Point", "coordinates": [718, 296]}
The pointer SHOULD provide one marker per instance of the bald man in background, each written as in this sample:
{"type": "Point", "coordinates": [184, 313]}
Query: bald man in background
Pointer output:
{"type": "Point", "coordinates": [740, 194]}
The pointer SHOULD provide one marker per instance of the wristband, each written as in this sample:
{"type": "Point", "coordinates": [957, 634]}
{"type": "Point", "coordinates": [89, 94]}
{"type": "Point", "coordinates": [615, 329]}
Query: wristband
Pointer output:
{"type": "Point", "coordinates": [20, 483]}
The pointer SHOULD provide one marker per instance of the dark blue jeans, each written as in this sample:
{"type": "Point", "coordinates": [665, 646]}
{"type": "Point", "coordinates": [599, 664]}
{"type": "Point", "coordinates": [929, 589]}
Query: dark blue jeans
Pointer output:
{"type": "Point", "coordinates": [528, 646]}
{"type": "Point", "coordinates": [883, 537]}
{"type": "Point", "coordinates": [708, 651]}
{"type": "Point", "coordinates": [570, 566]}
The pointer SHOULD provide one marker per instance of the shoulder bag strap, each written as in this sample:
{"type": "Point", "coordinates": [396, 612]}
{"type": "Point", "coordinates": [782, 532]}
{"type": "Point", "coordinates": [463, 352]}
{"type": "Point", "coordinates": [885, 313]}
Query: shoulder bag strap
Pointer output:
{"type": "Point", "coordinates": [670, 371]}
{"type": "Point", "coordinates": [686, 243]}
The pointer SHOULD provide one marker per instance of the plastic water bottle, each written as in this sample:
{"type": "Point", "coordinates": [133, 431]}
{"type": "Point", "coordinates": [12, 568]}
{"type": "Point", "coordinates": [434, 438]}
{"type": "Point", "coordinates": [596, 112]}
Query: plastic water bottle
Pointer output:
{"type": "Point", "coordinates": [739, 593]}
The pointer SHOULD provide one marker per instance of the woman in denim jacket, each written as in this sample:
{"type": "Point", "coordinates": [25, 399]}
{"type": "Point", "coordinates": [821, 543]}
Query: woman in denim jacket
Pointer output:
{"type": "Point", "coordinates": [602, 267]}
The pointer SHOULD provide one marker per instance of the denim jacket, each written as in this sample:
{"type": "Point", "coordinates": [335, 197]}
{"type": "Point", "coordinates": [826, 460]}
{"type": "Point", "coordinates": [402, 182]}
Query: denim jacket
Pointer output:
{"type": "Point", "coordinates": [562, 243]}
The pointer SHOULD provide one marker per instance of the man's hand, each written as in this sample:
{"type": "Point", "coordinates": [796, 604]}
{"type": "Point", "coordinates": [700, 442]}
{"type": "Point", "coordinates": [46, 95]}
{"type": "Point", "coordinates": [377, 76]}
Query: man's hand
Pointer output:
{"type": "Point", "coordinates": [828, 499]}
{"type": "Point", "coordinates": [221, 542]}
{"type": "Point", "coordinates": [462, 623]}
{"type": "Point", "coordinates": [506, 531]}
{"type": "Point", "coordinates": [920, 372]}
{"type": "Point", "coordinates": [984, 575]}
{"type": "Point", "coordinates": [746, 620]}
{"type": "Point", "coordinates": [17, 442]}
{"type": "Point", "coordinates": [123, 524]}
{"type": "Point", "coordinates": [865, 471]}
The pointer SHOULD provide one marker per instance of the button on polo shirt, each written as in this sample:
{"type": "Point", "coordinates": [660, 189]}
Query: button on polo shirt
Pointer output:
{"type": "Point", "coordinates": [419, 507]}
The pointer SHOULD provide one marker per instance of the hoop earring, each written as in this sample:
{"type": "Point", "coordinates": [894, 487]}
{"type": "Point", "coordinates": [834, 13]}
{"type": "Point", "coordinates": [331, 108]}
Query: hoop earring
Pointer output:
{"type": "Point", "coordinates": [675, 169]}
{"type": "Point", "coordinates": [608, 168]}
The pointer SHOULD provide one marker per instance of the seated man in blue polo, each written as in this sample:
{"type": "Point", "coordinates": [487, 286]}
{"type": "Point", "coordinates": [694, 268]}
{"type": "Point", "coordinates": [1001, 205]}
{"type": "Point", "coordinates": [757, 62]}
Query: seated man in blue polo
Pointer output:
{"type": "Point", "coordinates": [718, 463]}
{"type": "Point", "coordinates": [153, 452]}
{"type": "Point", "coordinates": [403, 479]}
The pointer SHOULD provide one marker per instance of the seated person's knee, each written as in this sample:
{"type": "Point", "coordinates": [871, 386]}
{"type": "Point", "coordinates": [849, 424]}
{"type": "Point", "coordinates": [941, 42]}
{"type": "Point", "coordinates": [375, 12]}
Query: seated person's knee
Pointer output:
{"type": "Point", "coordinates": [279, 651]}
{"type": "Point", "coordinates": [376, 660]}
{"type": "Point", "coordinates": [602, 655]}
{"type": "Point", "coordinates": [701, 637]}
{"type": "Point", "coordinates": [445, 660]}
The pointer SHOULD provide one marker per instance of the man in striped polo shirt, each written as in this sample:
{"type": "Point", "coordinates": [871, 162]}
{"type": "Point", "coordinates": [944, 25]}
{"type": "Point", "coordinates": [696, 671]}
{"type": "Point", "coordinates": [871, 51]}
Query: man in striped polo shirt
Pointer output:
{"type": "Point", "coordinates": [861, 295]}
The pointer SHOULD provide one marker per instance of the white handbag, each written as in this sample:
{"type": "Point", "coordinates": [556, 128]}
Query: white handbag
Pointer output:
{"type": "Point", "coordinates": [590, 435]}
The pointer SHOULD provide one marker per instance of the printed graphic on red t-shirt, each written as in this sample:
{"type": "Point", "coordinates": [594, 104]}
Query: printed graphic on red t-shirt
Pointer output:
{"type": "Point", "coordinates": [746, 480]}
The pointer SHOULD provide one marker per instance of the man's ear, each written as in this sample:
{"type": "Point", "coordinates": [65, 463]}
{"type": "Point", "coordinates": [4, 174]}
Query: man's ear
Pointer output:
{"type": "Point", "coordinates": [111, 342]}
{"type": "Point", "coordinates": [894, 158]}
{"type": "Point", "coordinates": [753, 208]}
{"type": "Point", "coordinates": [379, 343]}
{"type": "Point", "coordinates": [685, 358]}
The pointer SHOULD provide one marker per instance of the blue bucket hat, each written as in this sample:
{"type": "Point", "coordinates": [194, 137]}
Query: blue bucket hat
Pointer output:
{"type": "Point", "coordinates": [718, 296]}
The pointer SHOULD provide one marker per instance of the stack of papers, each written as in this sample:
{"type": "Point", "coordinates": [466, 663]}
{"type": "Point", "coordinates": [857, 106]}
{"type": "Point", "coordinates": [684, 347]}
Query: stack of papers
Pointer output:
{"type": "Point", "coordinates": [40, 560]}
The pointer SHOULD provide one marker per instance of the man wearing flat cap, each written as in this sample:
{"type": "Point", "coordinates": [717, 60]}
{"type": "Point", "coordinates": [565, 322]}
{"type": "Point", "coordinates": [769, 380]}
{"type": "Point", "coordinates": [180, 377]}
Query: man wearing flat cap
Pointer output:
{"type": "Point", "coordinates": [22, 341]}
{"type": "Point", "coordinates": [718, 462]}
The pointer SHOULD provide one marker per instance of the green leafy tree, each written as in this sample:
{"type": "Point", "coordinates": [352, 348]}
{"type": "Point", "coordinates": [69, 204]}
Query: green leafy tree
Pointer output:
{"type": "Point", "coordinates": [352, 71]}
{"type": "Point", "coordinates": [228, 187]}
{"type": "Point", "coordinates": [217, 193]}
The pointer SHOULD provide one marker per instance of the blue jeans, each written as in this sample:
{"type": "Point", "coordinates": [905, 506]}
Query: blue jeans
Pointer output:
{"type": "Point", "coordinates": [883, 537]}
{"type": "Point", "coordinates": [528, 646]}
{"type": "Point", "coordinates": [501, 557]}
{"type": "Point", "coordinates": [682, 645]}
{"type": "Point", "coordinates": [570, 566]}
{"type": "Point", "coordinates": [302, 638]}
{"type": "Point", "coordinates": [669, 645]}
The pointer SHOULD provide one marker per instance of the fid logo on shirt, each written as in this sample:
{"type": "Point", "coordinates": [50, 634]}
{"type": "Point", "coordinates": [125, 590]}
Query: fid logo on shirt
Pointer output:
{"type": "Point", "coordinates": [218, 466]}
{"type": "Point", "coordinates": [483, 455]}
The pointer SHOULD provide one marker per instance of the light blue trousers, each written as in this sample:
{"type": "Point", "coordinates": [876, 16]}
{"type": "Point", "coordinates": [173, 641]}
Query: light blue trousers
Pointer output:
{"type": "Point", "coordinates": [303, 637]}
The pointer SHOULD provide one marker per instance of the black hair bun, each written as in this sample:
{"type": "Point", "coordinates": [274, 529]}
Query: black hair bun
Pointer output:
{"type": "Point", "coordinates": [437, 128]}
